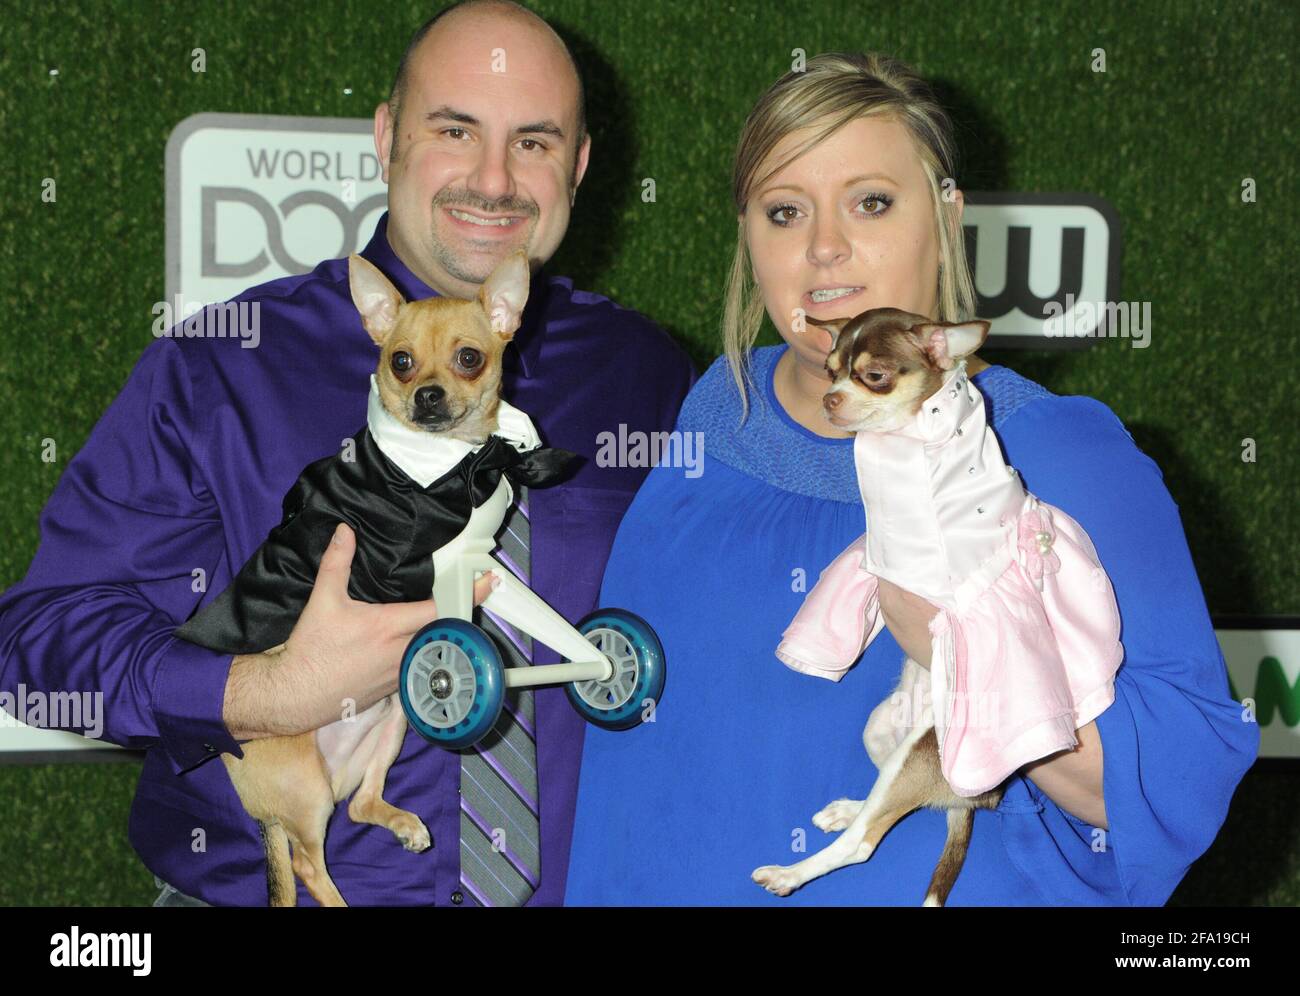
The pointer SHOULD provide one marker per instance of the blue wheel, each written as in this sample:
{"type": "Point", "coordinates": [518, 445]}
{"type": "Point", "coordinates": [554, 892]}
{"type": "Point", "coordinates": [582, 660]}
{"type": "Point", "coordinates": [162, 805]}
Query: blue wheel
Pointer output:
{"type": "Point", "coordinates": [639, 670]}
{"type": "Point", "coordinates": [451, 684]}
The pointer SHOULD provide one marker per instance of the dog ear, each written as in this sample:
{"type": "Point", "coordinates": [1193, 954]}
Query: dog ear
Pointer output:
{"type": "Point", "coordinates": [377, 300]}
{"type": "Point", "coordinates": [947, 342]}
{"type": "Point", "coordinates": [504, 294]}
{"type": "Point", "coordinates": [836, 325]}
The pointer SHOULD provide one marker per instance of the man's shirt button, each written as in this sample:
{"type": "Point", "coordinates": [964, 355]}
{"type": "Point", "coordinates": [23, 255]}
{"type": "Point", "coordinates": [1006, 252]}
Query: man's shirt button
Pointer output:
{"type": "Point", "coordinates": [457, 897]}
{"type": "Point", "coordinates": [209, 748]}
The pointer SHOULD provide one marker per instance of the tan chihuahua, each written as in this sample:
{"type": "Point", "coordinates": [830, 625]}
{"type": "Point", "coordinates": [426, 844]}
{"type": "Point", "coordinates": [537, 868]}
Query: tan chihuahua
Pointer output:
{"type": "Point", "coordinates": [884, 363]}
{"type": "Point", "coordinates": [439, 371]}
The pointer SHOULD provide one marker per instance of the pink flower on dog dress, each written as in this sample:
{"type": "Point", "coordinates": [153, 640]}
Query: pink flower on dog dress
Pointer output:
{"type": "Point", "coordinates": [1025, 645]}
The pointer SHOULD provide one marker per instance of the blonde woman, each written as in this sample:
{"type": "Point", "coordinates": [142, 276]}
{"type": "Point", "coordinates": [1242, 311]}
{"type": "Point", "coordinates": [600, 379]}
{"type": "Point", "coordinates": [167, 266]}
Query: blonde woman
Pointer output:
{"type": "Point", "coordinates": [839, 186]}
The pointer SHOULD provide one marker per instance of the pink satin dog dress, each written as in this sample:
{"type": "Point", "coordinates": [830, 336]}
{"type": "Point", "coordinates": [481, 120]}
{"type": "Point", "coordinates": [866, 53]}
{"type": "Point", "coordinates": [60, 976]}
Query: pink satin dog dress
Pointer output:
{"type": "Point", "coordinates": [1026, 640]}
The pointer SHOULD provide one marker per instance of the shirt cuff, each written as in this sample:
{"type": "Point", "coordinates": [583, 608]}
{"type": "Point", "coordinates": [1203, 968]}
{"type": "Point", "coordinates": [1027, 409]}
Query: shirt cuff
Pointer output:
{"type": "Point", "coordinates": [802, 659]}
{"type": "Point", "coordinates": [189, 695]}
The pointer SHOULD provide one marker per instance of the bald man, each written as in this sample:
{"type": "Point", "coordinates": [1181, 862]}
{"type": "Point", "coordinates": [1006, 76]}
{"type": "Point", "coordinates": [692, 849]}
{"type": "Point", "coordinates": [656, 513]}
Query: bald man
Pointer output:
{"type": "Point", "coordinates": [483, 143]}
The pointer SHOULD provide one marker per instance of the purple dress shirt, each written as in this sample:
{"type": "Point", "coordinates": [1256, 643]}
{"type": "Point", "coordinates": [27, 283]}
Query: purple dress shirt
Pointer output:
{"type": "Point", "coordinates": [187, 470]}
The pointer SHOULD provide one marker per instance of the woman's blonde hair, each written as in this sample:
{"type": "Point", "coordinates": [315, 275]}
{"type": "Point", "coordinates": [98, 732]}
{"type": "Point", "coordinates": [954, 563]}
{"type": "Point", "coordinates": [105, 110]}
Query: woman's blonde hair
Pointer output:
{"type": "Point", "coordinates": [833, 89]}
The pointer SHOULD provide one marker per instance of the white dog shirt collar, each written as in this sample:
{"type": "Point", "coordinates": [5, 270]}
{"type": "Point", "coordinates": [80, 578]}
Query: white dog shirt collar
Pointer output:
{"type": "Point", "coordinates": [427, 456]}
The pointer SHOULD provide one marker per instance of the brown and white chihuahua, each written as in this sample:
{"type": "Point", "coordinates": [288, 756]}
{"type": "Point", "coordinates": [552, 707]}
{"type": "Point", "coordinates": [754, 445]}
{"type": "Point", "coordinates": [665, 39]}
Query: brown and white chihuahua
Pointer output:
{"type": "Point", "coordinates": [439, 371]}
{"type": "Point", "coordinates": [884, 363]}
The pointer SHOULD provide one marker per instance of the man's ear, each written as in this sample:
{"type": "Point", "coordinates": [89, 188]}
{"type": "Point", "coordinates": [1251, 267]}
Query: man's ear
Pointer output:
{"type": "Point", "coordinates": [377, 300]}
{"type": "Point", "coordinates": [945, 343]}
{"type": "Point", "coordinates": [384, 129]}
{"type": "Point", "coordinates": [584, 157]}
{"type": "Point", "coordinates": [504, 294]}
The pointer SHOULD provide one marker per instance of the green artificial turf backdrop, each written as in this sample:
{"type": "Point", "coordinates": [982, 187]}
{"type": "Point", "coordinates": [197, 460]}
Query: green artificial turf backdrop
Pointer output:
{"type": "Point", "coordinates": [1196, 98]}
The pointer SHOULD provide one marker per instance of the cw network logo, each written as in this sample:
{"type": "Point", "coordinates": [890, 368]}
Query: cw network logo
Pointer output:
{"type": "Point", "coordinates": [1040, 261]}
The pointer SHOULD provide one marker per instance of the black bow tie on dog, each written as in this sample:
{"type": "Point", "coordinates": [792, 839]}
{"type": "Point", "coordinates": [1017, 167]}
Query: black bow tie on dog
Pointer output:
{"type": "Point", "coordinates": [536, 468]}
{"type": "Point", "coordinates": [398, 524]}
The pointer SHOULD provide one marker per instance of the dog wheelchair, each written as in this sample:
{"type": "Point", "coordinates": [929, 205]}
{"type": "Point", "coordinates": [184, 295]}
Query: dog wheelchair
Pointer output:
{"type": "Point", "coordinates": [452, 682]}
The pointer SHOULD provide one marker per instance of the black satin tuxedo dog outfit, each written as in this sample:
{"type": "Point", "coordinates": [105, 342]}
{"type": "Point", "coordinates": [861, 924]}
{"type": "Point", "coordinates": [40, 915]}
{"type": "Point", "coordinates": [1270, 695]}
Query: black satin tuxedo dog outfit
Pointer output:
{"type": "Point", "coordinates": [398, 524]}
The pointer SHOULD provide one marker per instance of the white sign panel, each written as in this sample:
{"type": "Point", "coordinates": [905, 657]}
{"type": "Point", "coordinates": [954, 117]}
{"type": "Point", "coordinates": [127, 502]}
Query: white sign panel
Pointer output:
{"type": "Point", "coordinates": [1264, 665]}
{"type": "Point", "coordinates": [1046, 269]}
{"type": "Point", "coordinates": [254, 197]}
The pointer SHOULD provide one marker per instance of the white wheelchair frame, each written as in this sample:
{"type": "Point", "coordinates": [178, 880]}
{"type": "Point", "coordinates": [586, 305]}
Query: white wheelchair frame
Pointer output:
{"type": "Point", "coordinates": [456, 566]}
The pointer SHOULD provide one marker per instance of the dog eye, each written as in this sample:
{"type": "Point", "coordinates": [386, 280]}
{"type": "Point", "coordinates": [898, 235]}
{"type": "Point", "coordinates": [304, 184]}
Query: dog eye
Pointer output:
{"type": "Point", "coordinates": [469, 359]}
{"type": "Point", "coordinates": [402, 363]}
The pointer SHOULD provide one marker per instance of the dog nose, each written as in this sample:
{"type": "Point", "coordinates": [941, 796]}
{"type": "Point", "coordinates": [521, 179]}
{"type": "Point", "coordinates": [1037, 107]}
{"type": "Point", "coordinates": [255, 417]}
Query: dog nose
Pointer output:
{"type": "Point", "coordinates": [832, 401]}
{"type": "Point", "coordinates": [429, 397]}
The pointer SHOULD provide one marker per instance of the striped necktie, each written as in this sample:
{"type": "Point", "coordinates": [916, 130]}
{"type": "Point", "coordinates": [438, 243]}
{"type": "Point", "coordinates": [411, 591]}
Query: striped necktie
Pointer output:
{"type": "Point", "coordinates": [500, 863]}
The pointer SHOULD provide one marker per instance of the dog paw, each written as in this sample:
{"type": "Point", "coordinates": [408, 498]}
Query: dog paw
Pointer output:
{"type": "Point", "coordinates": [838, 815]}
{"type": "Point", "coordinates": [776, 879]}
{"type": "Point", "coordinates": [413, 834]}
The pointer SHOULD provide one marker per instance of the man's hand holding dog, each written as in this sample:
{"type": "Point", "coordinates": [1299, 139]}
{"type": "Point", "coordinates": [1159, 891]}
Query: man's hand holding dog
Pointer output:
{"type": "Point", "coordinates": [341, 649]}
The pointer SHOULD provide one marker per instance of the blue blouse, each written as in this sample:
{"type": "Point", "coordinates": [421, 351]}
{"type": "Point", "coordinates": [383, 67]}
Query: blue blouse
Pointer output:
{"type": "Point", "coordinates": [742, 751]}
